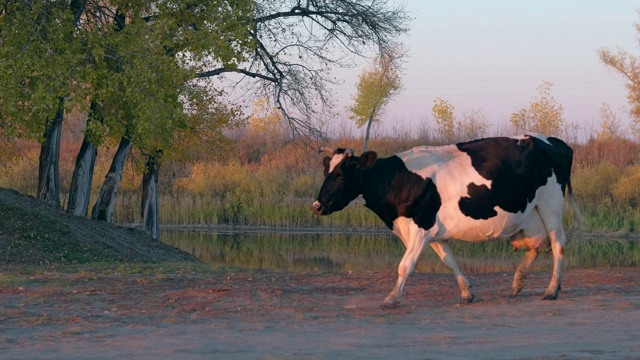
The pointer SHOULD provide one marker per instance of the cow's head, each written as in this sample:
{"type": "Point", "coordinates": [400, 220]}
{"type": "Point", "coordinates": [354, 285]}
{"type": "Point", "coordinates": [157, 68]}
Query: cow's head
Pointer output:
{"type": "Point", "coordinates": [343, 173]}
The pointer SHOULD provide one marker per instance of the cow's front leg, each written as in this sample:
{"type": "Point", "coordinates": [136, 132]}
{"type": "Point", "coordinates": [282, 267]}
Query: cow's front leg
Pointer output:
{"type": "Point", "coordinates": [408, 262]}
{"type": "Point", "coordinates": [445, 254]}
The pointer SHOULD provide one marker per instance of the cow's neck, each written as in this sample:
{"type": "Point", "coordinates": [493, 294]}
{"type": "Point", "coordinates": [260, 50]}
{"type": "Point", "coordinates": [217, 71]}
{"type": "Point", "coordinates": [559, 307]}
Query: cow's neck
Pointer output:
{"type": "Point", "coordinates": [377, 188]}
{"type": "Point", "coordinates": [391, 190]}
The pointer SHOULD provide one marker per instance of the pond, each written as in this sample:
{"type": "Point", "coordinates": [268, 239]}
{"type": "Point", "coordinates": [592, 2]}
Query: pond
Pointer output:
{"type": "Point", "coordinates": [337, 252]}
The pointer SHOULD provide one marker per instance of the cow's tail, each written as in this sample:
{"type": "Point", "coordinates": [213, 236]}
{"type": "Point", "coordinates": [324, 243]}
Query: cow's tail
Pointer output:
{"type": "Point", "coordinates": [578, 219]}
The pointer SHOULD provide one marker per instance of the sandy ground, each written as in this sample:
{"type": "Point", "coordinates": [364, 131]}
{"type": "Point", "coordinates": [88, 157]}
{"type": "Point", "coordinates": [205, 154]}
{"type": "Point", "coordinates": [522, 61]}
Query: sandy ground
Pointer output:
{"type": "Point", "coordinates": [266, 315]}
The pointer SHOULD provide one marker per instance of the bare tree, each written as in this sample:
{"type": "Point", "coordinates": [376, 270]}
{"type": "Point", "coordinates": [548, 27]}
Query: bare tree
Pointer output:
{"type": "Point", "coordinates": [473, 125]}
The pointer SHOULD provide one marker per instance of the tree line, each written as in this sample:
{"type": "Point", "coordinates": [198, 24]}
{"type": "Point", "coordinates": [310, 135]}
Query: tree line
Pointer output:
{"type": "Point", "coordinates": [377, 85]}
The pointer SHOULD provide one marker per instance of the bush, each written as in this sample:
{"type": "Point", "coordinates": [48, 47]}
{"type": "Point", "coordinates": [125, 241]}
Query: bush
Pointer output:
{"type": "Point", "coordinates": [594, 184]}
{"type": "Point", "coordinates": [626, 189]}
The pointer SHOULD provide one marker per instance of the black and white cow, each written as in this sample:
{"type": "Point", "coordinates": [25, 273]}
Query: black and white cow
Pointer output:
{"type": "Point", "coordinates": [474, 191]}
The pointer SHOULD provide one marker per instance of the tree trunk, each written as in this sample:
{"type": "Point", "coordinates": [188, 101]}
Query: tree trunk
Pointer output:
{"type": "Point", "coordinates": [149, 208]}
{"type": "Point", "coordinates": [80, 189]}
{"type": "Point", "coordinates": [366, 136]}
{"type": "Point", "coordinates": [103, 209]}
{"type": "Point", "coordinates": [49, 162]}
{"type": "Point", "coordinates": [82, 179]}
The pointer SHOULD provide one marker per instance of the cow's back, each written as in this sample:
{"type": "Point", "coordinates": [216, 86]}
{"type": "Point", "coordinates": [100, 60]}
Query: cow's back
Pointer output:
{"type": "Point", "coordinates": [489, 186]}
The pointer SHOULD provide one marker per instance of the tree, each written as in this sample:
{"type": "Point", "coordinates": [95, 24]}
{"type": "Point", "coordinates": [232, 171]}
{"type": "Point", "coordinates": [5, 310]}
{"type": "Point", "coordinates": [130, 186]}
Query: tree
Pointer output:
{"type": "Point", "coordinates": [149, 205]}
{"type": "Point", "coordinates": [473, 125]}
{"type": "Point", "coordinates": [627, 65]}
{"type": "Point", "coordinates": [266, 129]}
{"type": "Point", "coordinates": [443, 116]}
{"type": "Point", "coordinates": [82, 178]}
{"type": "Point", "coordinates": [375, 88]}
{"type": "Point", "coordinates": [543, 116]}
{"type": "Point", "coordinates": [521, 120]}
{"type": "Point", "coordinates": [610, 127]}
{"type": "Point", "coordinates": [41, 75]}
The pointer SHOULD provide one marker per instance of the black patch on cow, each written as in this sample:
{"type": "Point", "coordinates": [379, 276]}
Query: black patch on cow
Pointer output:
{"type": "Point", "coordinates": [391, 191]}
{"type": "Point", "coordinates": [517, 168]}
{"type": "Point", "coordinates": [475, 205]}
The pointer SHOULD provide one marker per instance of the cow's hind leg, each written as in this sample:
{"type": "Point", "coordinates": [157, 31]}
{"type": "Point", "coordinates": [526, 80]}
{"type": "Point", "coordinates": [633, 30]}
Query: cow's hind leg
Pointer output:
{"type": "Point", "coordinates": [445, 254]}
{"type": "Point", "coordinates": [521, 272]}
{"type": "Point", "coordinates": [534, 239]}
{"type": "Point", "coordinates": [557, 248]}
{"type": "Point", "coordinates": [552, 219]}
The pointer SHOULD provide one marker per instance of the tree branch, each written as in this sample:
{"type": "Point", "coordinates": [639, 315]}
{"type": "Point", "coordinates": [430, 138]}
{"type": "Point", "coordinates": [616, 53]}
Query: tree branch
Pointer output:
{"type": "Point", "coordinates": [219, 71]}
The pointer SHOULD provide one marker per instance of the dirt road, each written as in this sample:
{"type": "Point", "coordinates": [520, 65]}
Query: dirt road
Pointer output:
{"type": "Point", "coordinates": [267, 315]}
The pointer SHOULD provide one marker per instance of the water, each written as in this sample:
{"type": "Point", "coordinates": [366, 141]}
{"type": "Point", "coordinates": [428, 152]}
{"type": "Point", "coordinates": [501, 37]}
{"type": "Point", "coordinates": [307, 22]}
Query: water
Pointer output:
{"type": "Point", "coordinates": [340, 252]}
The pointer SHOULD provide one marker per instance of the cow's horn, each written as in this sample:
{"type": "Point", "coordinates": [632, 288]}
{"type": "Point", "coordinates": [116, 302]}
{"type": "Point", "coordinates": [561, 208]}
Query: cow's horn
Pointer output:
{"type": "Point", "coordinates": [327, 150]}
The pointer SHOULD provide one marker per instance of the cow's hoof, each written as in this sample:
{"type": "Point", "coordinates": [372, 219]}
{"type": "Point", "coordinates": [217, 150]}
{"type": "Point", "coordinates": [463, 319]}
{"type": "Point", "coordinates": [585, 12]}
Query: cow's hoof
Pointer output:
{"type": "Point", "coordinates": [552, 296]}
{"type": "Point", "coordinates": [467, 300]}
{"type": "Point", "coordinates": [389, 306]}
{"type": "Point", "coordinates": [515, 291]}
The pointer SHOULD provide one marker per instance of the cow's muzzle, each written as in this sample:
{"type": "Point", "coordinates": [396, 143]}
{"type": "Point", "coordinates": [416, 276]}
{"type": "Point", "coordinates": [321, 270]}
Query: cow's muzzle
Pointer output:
{"type": "Point", "coordinates": [318, 208]}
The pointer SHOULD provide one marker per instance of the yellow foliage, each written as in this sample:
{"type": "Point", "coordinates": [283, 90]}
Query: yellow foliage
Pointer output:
{"type": "Point", "coordinates": [207, 179]}
{"type": "Point", "coordinates": [265, 121]}
{"type": "Point", "coordinates": [442, 112]}
{"type": "Point", "coordinates": [543, 116]}
{"type": "Point", "coordinates": [626, 64]}
{"type": "Point", "coordinates": [610, 127]}
{"type": "Point", "coordinates": [375, 88]}
{"type": "Point", "coordinates": [595, 183]}
{"type": "Point", "coordinates": [626, 189]}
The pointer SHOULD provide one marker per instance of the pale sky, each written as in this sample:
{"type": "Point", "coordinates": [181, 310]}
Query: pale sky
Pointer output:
{"type": "Point", "coordinates": [494, 54]}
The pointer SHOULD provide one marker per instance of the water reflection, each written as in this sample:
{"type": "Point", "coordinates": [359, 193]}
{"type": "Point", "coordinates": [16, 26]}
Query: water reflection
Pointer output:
{"type": "Point", "coordinates": [334, 252]}
{"type": "Point", "coordinates": [288, 251]}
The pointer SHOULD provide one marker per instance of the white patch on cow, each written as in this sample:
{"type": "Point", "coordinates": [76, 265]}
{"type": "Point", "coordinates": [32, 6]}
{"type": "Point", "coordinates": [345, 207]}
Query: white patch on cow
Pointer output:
{"type": "Point", "coordinates": [452, 223]}
{"type": "Point", "coordinates": [449, 168]}
{"type": "Point", "coordinates": [535, 135]}
{"type": "Point", "coordinates": [335, 160]}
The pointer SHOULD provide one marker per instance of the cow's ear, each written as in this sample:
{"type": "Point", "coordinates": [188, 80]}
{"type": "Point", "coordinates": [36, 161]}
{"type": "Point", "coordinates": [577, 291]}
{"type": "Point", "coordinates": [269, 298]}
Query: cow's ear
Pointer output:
{"type": "Point", "coordinates": [367, 159]}
{"type": "Point", "coordinates": [325, 162]}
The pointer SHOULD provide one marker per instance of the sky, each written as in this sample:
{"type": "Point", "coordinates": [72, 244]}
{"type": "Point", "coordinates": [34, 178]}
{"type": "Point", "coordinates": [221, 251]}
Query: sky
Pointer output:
{"type": "Point", "coordinates": [493, 55]}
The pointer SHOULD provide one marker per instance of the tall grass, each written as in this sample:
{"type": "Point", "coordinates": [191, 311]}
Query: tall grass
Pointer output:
{"type": "Point", "coordinates": [276, 185]}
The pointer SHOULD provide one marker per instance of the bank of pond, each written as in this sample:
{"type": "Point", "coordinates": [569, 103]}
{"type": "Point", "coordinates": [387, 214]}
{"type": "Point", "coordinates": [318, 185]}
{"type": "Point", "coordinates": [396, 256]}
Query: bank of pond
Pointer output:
{"type": "Point", "coordinates": [330, 251]}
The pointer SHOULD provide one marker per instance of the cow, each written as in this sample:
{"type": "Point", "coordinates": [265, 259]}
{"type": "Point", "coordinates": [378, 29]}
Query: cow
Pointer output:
{"type": "Point", "coordinates": [486, 189]}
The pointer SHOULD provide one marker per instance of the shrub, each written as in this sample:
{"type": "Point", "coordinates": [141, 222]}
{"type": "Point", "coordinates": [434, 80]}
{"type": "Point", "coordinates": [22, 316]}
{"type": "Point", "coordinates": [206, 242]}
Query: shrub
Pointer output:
{"type": "Point", "coordinates": [626, 190]}
{"type": "Point", "coordinates": [593, 184]}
